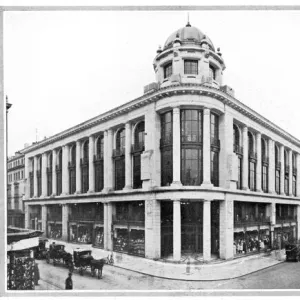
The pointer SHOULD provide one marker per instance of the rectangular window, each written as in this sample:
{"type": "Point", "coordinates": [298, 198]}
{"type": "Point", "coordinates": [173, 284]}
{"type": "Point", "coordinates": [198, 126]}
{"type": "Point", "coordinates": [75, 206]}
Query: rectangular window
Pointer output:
{"type": "Point", "coordinates": [214, 156]}
{"type": "Point", "coordinates": [166, 166]}
{"type": "Point", "coordinates": [137, 182]}
{"type": "Point", "coordinates": [191, 166]}
{"type": "Point", "coordinates": [265, 178]}
{"type": "Point", "coordinates": [168, 69]}
{"type": "Point", "coordinates": [286, 184]}
{"type": "Point", "coordinates": [239, 183]}
{"type": "Point", "coordinates": [294, 185]}
{"type": "Point", "coordinates": [119, 173]}
{"type": "Point", "coordinates": [212, 72]}
{"type": "Point", "coordinates": [191, 67]}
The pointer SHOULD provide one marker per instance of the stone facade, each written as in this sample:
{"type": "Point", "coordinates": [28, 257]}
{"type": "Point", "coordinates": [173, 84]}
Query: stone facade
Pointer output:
{"type": "Point", "coordinates": [236, 194]}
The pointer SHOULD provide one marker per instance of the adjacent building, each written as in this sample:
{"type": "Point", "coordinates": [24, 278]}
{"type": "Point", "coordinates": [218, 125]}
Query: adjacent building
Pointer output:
{"type": "Point", "coordinates": [15, 190]}
{"type": "Point", "coordinates": [184, 169]}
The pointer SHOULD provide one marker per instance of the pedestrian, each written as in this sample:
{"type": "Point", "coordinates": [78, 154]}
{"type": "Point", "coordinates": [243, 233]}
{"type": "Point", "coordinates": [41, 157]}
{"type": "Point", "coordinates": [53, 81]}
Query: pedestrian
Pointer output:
{"type": "Point", "coordinates": [69, 282]}
{"type": "Point", "coordinates": [36, 274]}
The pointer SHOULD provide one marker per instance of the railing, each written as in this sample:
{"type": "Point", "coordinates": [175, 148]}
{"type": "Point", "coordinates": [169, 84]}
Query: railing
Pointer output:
{"type": "Point", "coordinates": [294, 170]}
{"type": "Point", "coordinates": [84, 161]}
{"type": "Point", "coordinates": [118, 152]}
{"type": "Point", "coordinates": [287, 169]}
{"type": "Point", "coordinates": [98, 156]}
{"type": "Point", "coordinates": [138, 147]}
{"type": "Point", "coordinates": [238, 149]}
{"type": "Point", "coordinates": [286, 219]}
{"type": "Point", "coordinates": [251, 221]}
{"type": "Point", "coordinates": [265, 159]}
{"type": "Point", "coordinates": [71, 164]}
{"type": "Point", "coordinates": [35, 215]}
{"type": "Point", "coordinates": [215, 142]}
{"type": "Point", "coordinates": [252, 154]}
{"type": "Point", "coordinates": [166, 141]}
{"type": "Point", "coordinates": [58, 168]}
{"type": "Point", "coordinates": [278, 164]}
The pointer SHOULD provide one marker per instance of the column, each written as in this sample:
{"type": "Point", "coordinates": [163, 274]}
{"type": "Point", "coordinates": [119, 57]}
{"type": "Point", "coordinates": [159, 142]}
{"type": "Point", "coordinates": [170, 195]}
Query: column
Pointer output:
{"type": "Point", "coordinates": [206, 148]}
{"type": "Point", "coordinates": [65, 170]}
{"type": "Point", "coordinates": [245, 183]}
{"type": "Point", "coordinates": [271, 173]}
{"type": "Point", "coordinates": [298, 175]}
{"type": "Point", "coordinates": [298, 222]}
{"type": "Point", "coordinates": [176, 230]}
{"type": "Point", "coordinates": [282, 171]}
{"type": "Point", "coordinates": [109, 225]}
{"type": "Point", "coordinates": [54, 158]}
{"type": "Point", "coordinates": [226, 229]}
{"type": "Point", "coordinates": [206, 230]}
{"type": "Point", "coordinates": [108, 161]}
{"type": "Point", "coordinates": [128, 157]}
{"type": "Point", "coordinates": [150, 158]}
{"type": "Point", "coordinates": [35, 189]}
{"type": "Point", "coordinates": [65, 221]}
{"type": "Point", "coordinates": [273, 221]}
{"type": "Point", "coordinates": [78, 168]}
{"type": "Point", "coordinates": [228, 160]}
{"type": "Point", "coordinates": [105, 229]}
{"type": "Point", "coordinates": [44, 175]}
{"type": "Point", "coordinates": [44, 219]}
{"type": "Point", "coordinates": [152, 229]}
{"type": "Point", "coordinates": [91, 164]}
{"type": "Point", "coordinates": [291, 172]}
{"type": "Point", "coordinates": [176, 148]}
{"type": "Point", "coordinates": [258, 162]}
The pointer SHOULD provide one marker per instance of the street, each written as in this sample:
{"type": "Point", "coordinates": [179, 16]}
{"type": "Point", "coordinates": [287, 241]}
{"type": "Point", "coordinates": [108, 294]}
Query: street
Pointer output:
{"type": "Point", "coordinates": [282, 276]}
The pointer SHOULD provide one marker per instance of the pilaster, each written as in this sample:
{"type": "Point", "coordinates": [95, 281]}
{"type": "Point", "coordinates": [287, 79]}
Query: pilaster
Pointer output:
{"type": "Point", "coordinates": [226, 229]}
{"type": "Point", "coordinates": [91, 164]}
{"type": "Point", "coordinates": [176, 230]}
{"type": "Point", "coordinates": [128, 156]}
{"type": "Point", "coordinates": [65, 221]}
{"type": "Point", "coordinates": [44, 219]}
{"type": "Point", "coordinates": [206, 230]}
{"type": "Point", "coordinates": [108, 161]}
{"type": "Point", "coordinates": [291, 173]}
{"type": "Point", "coordinates": [28, 166]}
{"type": "Point", "coordinates": [35, 188]}
{"type": "Point", "coordinates": [206, 149]}
{"type": "Point", "coordinates": [298, 222]}
{"type": "Point", "coordinates": [26, 216]}
{"type": "Point", "coordinates": [298, 174]}
{"type": "Point", "coordinates": [109, 224]}
{"type": "Point", "coordinates": [282, 171]}
{"type": "Point", "coordinates": [176, 148]}
{"type": "Point", "coordinates": [152, 229]}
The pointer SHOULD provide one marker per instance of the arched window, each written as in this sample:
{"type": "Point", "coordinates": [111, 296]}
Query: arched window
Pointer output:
{"type": "Point", "coordinates": [264, 166]}
{"type": "Point", "coordinates": [236, 139]}
{"type": "Point", "coordinates": [99, 171]}
{"type": "Point", "coordinates": [137, 149]}
{"type": "Point", "coordinates": [277, 170]}
{"type": "Point", "coordinates": [59, 173]}
{"type": "Point", "coordinates": [49, 175]}
{"type": "Point", "coordinates": [119, 158]}
{"type": "Point", "coordinates": [294, 166]}
{"type": "Point", "coordinates": [72, 170]}
{"type": "Point", "coordinates": [252, 163]}
{"type": "Point", "coordinates": [237, 149]}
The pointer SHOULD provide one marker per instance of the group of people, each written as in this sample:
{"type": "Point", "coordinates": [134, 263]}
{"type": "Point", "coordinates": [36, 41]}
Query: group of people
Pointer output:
{"type": "Point", "coordinates": [242, 246]}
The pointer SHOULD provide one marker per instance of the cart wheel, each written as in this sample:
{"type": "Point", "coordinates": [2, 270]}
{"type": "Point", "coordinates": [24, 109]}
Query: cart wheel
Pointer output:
{"type": "Point", "coordinates": [81, 271]}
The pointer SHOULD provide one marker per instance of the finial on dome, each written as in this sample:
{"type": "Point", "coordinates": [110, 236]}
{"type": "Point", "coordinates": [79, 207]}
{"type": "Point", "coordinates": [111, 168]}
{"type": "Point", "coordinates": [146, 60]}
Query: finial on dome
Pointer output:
{"type": "Point", "coordinates": [188, 21]}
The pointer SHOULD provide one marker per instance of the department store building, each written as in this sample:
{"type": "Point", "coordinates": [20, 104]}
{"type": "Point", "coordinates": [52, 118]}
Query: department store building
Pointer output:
{"type": "Point", "coordinates": [185, 169]}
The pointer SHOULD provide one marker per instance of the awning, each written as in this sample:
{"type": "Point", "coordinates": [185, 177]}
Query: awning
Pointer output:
{"type": "Point", "coordinates": [23, 244]}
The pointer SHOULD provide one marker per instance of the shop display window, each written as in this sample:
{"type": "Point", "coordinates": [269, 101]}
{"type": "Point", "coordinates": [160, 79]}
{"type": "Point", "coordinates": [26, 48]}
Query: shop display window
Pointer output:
{"type": "Point", "coordinates": [81, 233]}
{"type": "Point", "coordinates": [54, 231]}
{"type": "Point", "coordinates": [121, 240]}
{"type": "Point", "coordinates": [99, 236]}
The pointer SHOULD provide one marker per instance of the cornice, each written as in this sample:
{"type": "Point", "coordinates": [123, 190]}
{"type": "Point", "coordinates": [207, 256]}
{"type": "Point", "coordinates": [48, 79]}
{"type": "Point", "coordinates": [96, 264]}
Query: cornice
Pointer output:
{"type": "Point", "coordinates": [172, 90]}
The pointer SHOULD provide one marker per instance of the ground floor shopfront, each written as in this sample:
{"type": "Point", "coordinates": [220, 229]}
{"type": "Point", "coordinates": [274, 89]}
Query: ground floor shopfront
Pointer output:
{"type": "Point", "coordinates": [168, 228]}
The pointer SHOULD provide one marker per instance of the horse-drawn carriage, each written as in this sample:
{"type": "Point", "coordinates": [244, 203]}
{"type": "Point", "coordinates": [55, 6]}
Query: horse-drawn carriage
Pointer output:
{"type": "Point", "coordinates": [40, 251]}
{"type": "Point", "coordinates": [83, 260]}
{"type": "Point", "coordinates": [58, 254]}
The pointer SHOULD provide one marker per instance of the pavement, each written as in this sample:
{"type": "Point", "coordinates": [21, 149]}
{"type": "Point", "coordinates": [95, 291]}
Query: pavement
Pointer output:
{"type": "Point", "coordinates": [189, 270]}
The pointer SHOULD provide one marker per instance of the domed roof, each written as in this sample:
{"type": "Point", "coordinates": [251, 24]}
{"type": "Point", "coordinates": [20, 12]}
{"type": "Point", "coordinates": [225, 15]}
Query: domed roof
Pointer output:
{"type": "Point", "coordinates": [188, 34]}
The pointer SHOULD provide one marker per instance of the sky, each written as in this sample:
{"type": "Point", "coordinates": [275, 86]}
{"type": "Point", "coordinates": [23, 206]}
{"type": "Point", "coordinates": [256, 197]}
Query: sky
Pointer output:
{"type": "Point", "coordinates": [62, 68]}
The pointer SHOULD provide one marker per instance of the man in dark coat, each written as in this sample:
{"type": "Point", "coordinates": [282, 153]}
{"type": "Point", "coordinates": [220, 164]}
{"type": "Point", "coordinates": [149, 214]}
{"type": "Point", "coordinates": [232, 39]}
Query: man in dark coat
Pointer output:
{"type": "Point", "coordinates": [69, 282]}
